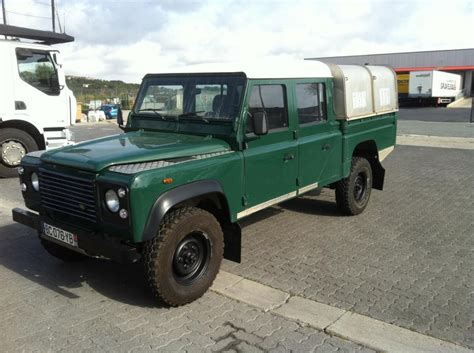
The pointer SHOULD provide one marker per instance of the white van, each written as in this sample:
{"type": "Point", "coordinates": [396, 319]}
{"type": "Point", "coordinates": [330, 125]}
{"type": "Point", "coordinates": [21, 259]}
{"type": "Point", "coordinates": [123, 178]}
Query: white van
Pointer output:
{"type": "Point", "coordinates": [36, 106]}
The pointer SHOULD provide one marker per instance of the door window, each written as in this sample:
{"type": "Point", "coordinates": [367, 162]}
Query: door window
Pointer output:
{"type": "Point", "coordinates": [37, 69]}
{"type": "Point", "coordinates": [311, 102]}
{"type": "Point", "coordinates": [272, 100]}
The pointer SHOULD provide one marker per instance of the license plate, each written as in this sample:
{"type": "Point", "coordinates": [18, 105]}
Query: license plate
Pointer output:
{"type": "Point", "coordinates": [60, 234]}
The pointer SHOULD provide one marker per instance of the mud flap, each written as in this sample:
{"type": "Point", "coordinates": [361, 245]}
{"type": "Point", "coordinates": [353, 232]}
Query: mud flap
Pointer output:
{"type": "Point", "coordinates": [232, 242]}
{"type": "Point", "coordinates": [378, 175]}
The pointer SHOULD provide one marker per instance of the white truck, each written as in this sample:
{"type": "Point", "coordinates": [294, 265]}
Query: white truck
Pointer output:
{"type": "Point", "coordinates": [36, 106]}
{"type": "Point", "coordinates": [434, 86]}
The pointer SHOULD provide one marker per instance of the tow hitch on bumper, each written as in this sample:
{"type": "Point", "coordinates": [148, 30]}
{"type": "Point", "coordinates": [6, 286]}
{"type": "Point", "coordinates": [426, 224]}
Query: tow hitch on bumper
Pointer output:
{"type": "Point", "coordinates": [90, 244]}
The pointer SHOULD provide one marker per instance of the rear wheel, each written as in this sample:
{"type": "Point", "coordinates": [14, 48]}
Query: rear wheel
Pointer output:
{"type": "Point", "coordinates": [14, 145]}
{"type": "Point", "coordinates": [183, 259]}
{"type": "Point", "coordinates": [61, 252]}
{"type": "Point", "coordinates": [353, 192]}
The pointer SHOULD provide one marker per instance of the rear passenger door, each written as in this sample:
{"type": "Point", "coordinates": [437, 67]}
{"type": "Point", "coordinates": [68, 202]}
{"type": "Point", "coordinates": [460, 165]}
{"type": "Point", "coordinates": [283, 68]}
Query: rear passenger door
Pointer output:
{"type": "Point", "coordinates": [319, 145]}
{"type": "Point", "coordinates": [271, 162]}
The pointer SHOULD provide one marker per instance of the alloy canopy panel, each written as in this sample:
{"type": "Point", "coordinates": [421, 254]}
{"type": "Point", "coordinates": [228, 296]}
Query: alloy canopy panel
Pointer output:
{"type": "Point", "coordinates": [384, 81]}
{"type": "Point", "coordinates": [362, 91]}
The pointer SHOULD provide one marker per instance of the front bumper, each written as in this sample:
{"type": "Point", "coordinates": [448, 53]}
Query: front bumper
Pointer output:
{"type": "Point", "coordinates": [89, 243]}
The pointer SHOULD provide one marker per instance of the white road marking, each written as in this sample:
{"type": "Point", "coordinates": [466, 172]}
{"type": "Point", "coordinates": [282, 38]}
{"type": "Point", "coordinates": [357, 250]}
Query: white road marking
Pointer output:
{"type": "Point", "coordinates": [465, 143]}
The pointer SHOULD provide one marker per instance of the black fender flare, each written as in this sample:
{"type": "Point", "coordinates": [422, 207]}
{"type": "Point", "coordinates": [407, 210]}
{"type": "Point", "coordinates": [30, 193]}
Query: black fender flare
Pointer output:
{"type": "Point", "coordinates": [173, 197]}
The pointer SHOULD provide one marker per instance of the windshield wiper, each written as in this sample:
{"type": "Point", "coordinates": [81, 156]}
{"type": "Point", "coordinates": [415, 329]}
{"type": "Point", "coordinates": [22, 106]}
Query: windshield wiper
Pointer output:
{"type": "Point", "coordinates": [156, 111]}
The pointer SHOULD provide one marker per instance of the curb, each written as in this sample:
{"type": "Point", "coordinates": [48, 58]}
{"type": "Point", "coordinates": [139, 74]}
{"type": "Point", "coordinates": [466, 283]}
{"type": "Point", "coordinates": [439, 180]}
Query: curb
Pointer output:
{"type": "Point", "coordinates": [348, 325]}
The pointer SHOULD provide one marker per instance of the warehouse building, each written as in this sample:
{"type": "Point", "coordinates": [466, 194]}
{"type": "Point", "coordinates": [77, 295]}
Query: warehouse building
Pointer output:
{"type": "Point", "coordinates": [460, 61]}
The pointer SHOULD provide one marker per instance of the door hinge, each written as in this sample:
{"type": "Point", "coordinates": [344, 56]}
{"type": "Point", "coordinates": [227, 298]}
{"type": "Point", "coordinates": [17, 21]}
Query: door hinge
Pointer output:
{"type": "Point", "coordinates": [244, 200]}
{"type": "Point", "coordinates": [295, 134]}
{"type": "Point", "coordinates": [298, 181]}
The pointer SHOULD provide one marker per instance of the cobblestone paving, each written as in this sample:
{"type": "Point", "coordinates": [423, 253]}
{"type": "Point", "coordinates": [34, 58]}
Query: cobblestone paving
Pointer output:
{"type": "Point", "coordinates": [99, 306]}
{"type": "Point", "coordinates": [407, 260]}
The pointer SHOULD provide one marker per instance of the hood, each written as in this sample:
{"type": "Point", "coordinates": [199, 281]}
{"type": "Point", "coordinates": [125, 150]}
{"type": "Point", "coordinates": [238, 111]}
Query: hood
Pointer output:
{"type": "Point", "coordinates": [132, 147]}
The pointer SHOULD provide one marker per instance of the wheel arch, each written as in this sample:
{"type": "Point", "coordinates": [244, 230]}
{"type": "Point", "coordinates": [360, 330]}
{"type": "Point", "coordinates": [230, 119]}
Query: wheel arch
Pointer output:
{"type": "Point", "coordinates": [28, 128]}
{"type": "Point", "coordinates": [205, 194]}
{"type": "Point", "coordinates": [368, 150]}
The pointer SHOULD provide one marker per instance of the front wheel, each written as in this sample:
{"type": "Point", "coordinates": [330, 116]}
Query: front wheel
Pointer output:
{"type": "Point", "coordinates": [183, 259]}
{"type": "Point", "coordinates": [353, 192]}
{"type": "Point", "coordinates": [14, 145]}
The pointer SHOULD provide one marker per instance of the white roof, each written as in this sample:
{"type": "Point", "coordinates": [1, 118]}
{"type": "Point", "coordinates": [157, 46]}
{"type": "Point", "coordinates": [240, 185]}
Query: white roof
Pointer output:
{"type": "Point", "coordinates": [266, 69]}
{"type": "Point", "coordinates": [23, 44]}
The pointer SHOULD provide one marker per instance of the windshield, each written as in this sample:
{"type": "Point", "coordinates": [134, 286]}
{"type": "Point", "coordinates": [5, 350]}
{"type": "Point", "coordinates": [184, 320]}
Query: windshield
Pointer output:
{"type": "Point", "coordinates": [192, 99]}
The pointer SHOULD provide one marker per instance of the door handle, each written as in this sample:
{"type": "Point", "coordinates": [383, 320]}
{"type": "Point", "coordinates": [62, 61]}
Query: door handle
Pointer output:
{"type": "Point", "coordinates": [326, 147]}
{"type": "Point", "coordinates": [288, 157]}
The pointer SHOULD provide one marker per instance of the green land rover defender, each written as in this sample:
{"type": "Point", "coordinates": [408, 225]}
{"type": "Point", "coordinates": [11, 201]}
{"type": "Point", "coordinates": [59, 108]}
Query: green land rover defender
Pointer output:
{"type": "Point", "coordinates": [203, 149]}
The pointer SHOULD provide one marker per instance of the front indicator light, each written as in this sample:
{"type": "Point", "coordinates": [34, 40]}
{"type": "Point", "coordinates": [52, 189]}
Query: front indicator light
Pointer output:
{"type": "Point", "coordinates": [123, 213]}
{"type": "Point", "coordinates": [167, 180]}
{"type": "Point", "coordinates": [112, 201]}
{"type": "Point", "coordinates": [23, 187]}
{"type": "Point", "coordinates": [35, 181]}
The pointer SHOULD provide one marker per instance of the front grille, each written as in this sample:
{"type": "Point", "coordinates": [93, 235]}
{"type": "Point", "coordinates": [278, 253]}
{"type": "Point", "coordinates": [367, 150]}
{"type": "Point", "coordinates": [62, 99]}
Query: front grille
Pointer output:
{"type": "Point", "coordinates": [68, 195]}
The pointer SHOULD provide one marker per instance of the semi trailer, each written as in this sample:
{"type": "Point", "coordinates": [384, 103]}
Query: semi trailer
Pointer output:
{"type": "Point", "coordinates": [434, 87]}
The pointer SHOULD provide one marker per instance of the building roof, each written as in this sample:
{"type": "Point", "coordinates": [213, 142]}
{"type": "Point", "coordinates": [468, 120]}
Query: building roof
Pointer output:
{"type": "Point", "coordinates": [265, 69]}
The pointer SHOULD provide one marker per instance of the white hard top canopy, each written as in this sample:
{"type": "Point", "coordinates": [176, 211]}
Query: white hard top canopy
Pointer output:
{"type": "Point", "coordinates": [264, 69]}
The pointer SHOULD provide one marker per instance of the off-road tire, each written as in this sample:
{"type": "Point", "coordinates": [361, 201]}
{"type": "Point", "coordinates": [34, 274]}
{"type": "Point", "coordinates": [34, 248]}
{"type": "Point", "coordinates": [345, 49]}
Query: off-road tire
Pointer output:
{"type": "Point", "coordinates": [346, 200]}
{"type": "Point", "coordinates": [24, 138]}
{"type": "Point", "coordinates": [160, 255]}
{"type": "Point", "coordinates": [61, 252]}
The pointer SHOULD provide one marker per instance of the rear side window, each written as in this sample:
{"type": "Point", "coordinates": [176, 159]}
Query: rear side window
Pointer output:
{"type": "Point", "coordinates": [272, 100]}
{"type": "Point", "coordinates": [37, 69]}
{"type": "Point", "coordinates": [311, 102]}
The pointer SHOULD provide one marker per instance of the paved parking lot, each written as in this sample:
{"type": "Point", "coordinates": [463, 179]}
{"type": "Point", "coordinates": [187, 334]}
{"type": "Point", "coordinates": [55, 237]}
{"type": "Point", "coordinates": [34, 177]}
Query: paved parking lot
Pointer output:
{"type": "Point", "coordinates": [439, 114]}
{"type": "Point", "coordinates": [407, 261]}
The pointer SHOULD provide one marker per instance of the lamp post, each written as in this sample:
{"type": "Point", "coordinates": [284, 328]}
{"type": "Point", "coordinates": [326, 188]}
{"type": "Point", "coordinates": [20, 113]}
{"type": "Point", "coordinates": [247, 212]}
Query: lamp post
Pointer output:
{"type": "Point", "coordinates": [4, 13]}
{"type": "Point", "coordinates": [472, 110]}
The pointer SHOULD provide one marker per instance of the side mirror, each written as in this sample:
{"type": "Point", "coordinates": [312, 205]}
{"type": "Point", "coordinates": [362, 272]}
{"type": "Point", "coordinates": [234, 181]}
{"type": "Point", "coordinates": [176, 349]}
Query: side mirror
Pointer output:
{"type": "Point", "coordinates": [120, 118]}
{"type": "Point", "coordinates": [260, 123]}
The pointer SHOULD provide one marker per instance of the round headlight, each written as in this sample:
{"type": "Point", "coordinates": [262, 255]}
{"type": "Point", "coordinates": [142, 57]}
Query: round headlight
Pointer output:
{"type": "Point", "coordinates": [112, 201]}
{"type": "Point", "coordinates": [35, 182]}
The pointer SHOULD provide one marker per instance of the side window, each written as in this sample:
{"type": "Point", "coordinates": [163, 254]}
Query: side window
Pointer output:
{"type": "Point", "coordinates": [311, 102]}
{"type": "Point", "coordinates": [272, 100]}
{"type": "Point", "coordinates": [37, 69]}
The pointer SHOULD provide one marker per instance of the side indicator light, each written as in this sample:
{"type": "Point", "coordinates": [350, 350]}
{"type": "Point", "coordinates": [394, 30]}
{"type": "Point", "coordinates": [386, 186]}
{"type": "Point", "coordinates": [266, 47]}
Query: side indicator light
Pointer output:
{"type": "Point", "coordinates": [167, 180]}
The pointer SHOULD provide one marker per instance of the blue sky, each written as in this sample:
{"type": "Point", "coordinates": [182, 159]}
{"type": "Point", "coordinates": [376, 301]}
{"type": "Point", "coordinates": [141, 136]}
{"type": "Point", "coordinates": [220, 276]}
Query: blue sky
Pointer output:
{"type": "Point", "coordinates": [120, 39]}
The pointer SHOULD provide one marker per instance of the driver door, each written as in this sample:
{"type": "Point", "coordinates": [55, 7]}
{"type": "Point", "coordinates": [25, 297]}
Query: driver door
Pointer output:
{"type": "Point", "coordinates": [271, 160]}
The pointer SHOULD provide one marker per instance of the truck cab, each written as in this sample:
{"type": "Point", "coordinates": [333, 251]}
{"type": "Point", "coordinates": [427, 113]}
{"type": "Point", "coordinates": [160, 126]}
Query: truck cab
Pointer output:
{"type": "Point", "coordinates": [202, 149]}
{"type": "Point", "coordinates": [36, 106]}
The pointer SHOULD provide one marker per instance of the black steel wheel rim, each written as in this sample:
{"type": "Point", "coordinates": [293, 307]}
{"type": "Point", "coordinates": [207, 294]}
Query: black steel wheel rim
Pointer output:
{"type": "Point", "coordinates": [191, 258]}
{"type": "Point", "coordinates": [360, 187]}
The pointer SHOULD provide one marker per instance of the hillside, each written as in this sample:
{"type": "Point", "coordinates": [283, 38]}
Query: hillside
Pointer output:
{"type": "Point", "coordinates": [88, 89]}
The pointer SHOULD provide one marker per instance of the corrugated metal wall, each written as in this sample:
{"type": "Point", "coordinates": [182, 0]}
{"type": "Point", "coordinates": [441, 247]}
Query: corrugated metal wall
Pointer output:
{"type": "Point", "coordinates": [457, 57]}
